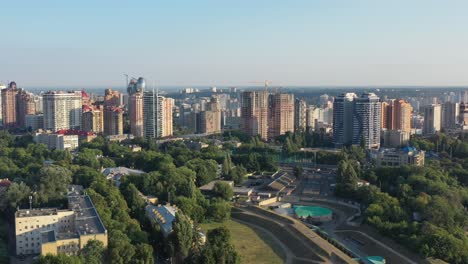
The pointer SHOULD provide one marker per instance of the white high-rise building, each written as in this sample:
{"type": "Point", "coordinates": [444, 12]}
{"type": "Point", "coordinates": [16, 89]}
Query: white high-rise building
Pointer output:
{"type": "Point", "coordinates": [432, 118]}
{"type": "Point", "coordinates": [157, 115]}
{"type": "Point", "coordinates": [366, 120]}
{"type": "Point", "coordinates": [62, 110]}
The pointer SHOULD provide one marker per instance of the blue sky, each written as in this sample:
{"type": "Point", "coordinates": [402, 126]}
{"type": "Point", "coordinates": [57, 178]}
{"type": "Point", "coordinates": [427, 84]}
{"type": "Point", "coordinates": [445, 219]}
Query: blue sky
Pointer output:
{"type": "Point", "coordinates": [310, 42]}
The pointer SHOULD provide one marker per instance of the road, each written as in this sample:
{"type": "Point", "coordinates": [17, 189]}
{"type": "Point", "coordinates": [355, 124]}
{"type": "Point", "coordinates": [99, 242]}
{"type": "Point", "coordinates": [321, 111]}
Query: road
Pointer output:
{"type": "Point", "coordinates": [299, 242]}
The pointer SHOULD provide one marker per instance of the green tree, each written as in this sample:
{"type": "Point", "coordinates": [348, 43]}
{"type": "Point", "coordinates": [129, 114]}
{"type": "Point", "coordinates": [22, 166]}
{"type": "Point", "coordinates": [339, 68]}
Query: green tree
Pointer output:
{"type": "Point", "coordinates": [17, 194]}
{"type": "Point", "coordinates": [182, 235]}
{"type": "Point", "coordinates": [121, 251]}
{"type": "Point", "coordinates": [219, 210]}
{"type": "Point", "coordinates": [53, 182]}
{"type": "Point", "coordinates": [206, 170]}
{"type": "Point", "coordinates": [60, 259]}
{"type": "Point", "coordinates": [93, 252]}
{"type": "Point", "coordinates": [218, 248]}
{"type": "Point", "coordinates": [223, 190]}
{"type": "Point", "coordinates": [144, 254]}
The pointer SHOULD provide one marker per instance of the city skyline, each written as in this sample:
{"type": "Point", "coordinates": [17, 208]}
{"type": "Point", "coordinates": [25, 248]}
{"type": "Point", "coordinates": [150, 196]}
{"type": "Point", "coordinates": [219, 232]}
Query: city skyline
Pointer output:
{"type": "Point", "coordinates": [207, 43]}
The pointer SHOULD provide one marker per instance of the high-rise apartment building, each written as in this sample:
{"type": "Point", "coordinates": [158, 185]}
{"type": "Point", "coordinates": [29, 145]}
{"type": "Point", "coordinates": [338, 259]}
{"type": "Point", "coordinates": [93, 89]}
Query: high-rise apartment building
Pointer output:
{"type": "Point", "coordinates": [282, 115]}
{"type": "Point", "coordinates": [25, 105]}
{"type": "Point", "coordinates": [113, 120]}
{"type": "Point", "coordinates": [300, 115]}
{"type": "Point", "coordinates": [366, 120]}
{"type": "Point", "coordinates": [167, 106]}
{"type": "Point", "coordinates": [157, 115]}
{"type": "Point", "coordinates": [254, 113]}
{"type": "Point", "coordinates": [9, 108]}
{"type": "Point", "coordinates": [210, 119]}
{"type": "Point", "coordinates": [401, 118]}
{"type": "Point", "coordinates": [93, 119]}
{"type": "Point", "coordinates": [2, 86]}
{"type": "Point", "coordinates": [343, 108]}
{"type": "Point", "coordinates": [432, 118]}
{"type": "Point", "coordinates": [135, 91]}
{"type": "Point", "coordinates": [112, 98]}
{"type": "Point", "coordinates": [310, 118]}
{"type": "Point", "coordinates": [396, 115]}
{"type": "Point", "coordinates": [136, 114]}
{"type": "Point", "coordinates": [450, 114]}
{"type": "Point", "coordinates": [463, 115]}
{"type": "Point", "coordinates": [62, 110]}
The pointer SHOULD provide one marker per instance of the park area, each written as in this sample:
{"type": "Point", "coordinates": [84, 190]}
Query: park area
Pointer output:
{"type": "Point", "coordinates": [254, 246]}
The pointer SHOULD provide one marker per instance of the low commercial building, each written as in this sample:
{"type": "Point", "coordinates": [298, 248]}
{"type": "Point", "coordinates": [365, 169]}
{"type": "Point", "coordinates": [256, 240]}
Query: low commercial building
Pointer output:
{"type": "Point", "coordinates": [394, 138]}
{"type": "Point", "coordinates": [399, 157]}
{"type": "Point", "coordinates": [53, 231]}
{"type": "Point", "coordinates": [162, 215]}
{"type": "Point", "coordinates": [58, 141]}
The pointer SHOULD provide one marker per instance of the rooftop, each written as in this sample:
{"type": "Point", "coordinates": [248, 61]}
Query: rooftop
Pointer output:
{"type": "Point", "coordinates": [87, 220]}
{"type": "Point", "coordinates": [164, 215]}
{"type": "Point", "coordinates": [35, 212]}
{"type": "Point", "coordinates": [209, 186]}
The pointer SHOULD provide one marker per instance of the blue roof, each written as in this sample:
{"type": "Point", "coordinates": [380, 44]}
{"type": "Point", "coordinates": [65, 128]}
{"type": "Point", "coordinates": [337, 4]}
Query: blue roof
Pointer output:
{"type": "Point", "coordinates": [408, 149]}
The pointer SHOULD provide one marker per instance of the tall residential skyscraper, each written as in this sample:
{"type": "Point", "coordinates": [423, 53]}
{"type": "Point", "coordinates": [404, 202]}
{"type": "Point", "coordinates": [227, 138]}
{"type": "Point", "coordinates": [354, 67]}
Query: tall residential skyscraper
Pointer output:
{"type": "Point", "coordinates": [93, 119]}
{"type": "Point", "coordinates": [135, 90]}
{"type": "Point", "coordinates": [366, 120]}
{"type": "Point", "coordinates": [282, 114]}
{"type": "Point", "coordinates": [401, 115]}
{"type": "Point", "coordinates": [210, 119]}
{"type": "Point", "coordinates": [463, 115]}
{"type": "Point", "coordinates": [300, 115]}
{"type": "Point", "coordinates": [136, 114]}
{"type": "Point", "coordinates": [2, 86]}
{"type": "Point", "coordinates": [450, 114]}
{"type": "Point", "coordinates": [62, 110]}
{"type": "Point", "coordinates": [167, 106]}
{"type": "Point", "coordinates": [25, 105]}
{"type": "Point", "coordinates": [396, 115]}
{"type": "Point", "coordinates": [9, 108]}
{"type": "Point", "coordinates": [113, 120]}
{"type": "Point", "coordinates": [432, 118]}
{"type": "Point", "coordinates": [157, 115]}
{"type": "Point", "coordinates": [343, 108]}
{"type": "Point", "coordinates": [254, 113]}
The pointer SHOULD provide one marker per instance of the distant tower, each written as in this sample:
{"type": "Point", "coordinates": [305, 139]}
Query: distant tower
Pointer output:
{"type": "Point", "coordinates": [343, 108]}
{"type": "Point", "coordinates": [62, 110]}
{"type": "Point", "coordinates": [432, 118]}
{"type": "Point", "coordinates": [366, 120]}
{"type": "Point", "coordinates": [281, 114]}
{"type": "Point", "coordinates": [300, 115]}
{"type": "Point", "coordinates": [9, 115]}
{"type": "Point", "coordinates": [135, 90]}
{"type": "Point", "coordinates": [254, 113]}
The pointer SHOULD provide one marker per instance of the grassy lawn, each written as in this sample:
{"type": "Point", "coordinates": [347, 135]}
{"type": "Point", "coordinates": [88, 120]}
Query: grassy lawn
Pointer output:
{"type": "Point", "coordinates": [253, 245]}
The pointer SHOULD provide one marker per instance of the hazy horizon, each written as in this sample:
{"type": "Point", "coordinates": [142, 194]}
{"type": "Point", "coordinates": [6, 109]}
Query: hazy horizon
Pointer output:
{"type": "Point", "coordinates": [212, 43]}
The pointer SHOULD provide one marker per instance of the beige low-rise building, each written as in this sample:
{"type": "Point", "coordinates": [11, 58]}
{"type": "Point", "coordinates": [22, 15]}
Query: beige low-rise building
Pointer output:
{"type": "Point", "coordinates": [399, 157]}
{"type": "Point", "coordinates": [58, 141]}
{"type": "Point", "coordinates": [52, 231]}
